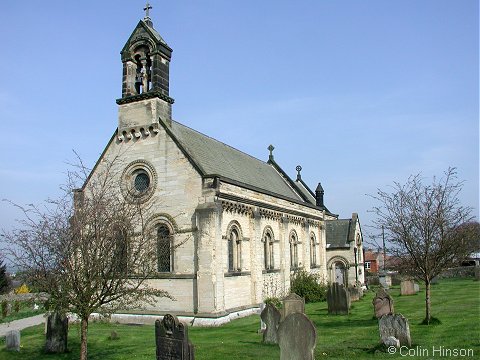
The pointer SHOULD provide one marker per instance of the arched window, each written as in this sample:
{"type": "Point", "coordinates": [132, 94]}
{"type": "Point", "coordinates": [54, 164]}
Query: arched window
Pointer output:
{"type": "Point", "coordinates": [164, 248]}
{"type": "Point", "coordinates": [293, 250]}
{"type": "Point", "coordinates": [268, 255]}
{"type": "Point", "coordinates": [234, 248]}
{"type": "Point", "coordinates": [313, 250]}
{"type": "Point", "coordinates": [120, 258]}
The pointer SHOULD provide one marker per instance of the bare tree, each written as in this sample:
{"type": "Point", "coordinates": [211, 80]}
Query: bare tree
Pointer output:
{"type": "Point", "coordinates": [421, 222]}
{"type": "Point", "coordinates": [91, 249]}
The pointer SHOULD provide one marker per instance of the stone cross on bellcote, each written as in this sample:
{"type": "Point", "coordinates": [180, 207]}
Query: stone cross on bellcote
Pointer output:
{"type": "Point", "coordinates": [147, 9]}
{"type": "Point", "coordinates": [147, 19]}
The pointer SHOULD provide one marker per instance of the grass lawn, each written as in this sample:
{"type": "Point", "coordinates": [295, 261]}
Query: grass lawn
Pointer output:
{"type": "Point", "coordinates": [25, 310]}
{"type": "Point", "coordinates": [455, 302]}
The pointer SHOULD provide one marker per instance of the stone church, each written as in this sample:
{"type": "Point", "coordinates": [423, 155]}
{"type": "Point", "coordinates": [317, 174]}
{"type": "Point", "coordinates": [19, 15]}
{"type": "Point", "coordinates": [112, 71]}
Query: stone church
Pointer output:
{"type": "Point", "coordinates": [232, 229]}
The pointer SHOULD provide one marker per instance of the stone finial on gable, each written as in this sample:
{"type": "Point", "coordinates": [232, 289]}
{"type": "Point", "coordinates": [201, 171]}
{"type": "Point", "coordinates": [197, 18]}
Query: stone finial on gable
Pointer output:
{"type": "Point", "coordinates": [299, 169]}
{"type": "Point", "coordinates": [271, 148]}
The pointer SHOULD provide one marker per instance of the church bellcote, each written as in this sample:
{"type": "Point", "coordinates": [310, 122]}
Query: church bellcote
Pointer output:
{"type": "Point", "coordinates": [145, 84]}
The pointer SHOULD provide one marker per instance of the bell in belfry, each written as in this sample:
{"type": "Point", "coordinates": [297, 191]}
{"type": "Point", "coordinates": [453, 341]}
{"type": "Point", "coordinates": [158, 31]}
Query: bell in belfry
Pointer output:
{"type": "Point", "coordinates": [139, 81]}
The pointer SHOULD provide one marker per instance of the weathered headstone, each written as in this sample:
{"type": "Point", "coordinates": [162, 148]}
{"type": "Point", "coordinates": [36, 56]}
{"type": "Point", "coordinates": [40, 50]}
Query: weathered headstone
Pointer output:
{"type": "Point", "coordinates": [477, 273]}
{"type": "Point", "coordinates": [382, 303]}
{"type": "Point", "coordinates": [391, 341]}
{"type": "Point", "coordinates": [297, 337]}
{"type": "Point", "coordinates": [355, 293]}
{"type": "Point", "coordinates": [171, 338]}
{"type": "Point", "coordinates": [12, 340]}
{"type": "Point", "coordinates": [263, 326]}
{"type": "Point", "coordinates": [407, 287]}
{"type": "Point", "coordinates": [416, 287]}
{"type": "Point", "coordinates": [57, 333]}
{"type": "Point", "coordinates": [293, 303]}
{"type": "Point", "coordinates": [385, 280]}
{"type": "Point", "coordinates": [271, 317]}
{"type": "Point", "coordinates": [396, 326]}
{"type": "Point", "coordinates": [338, 299]}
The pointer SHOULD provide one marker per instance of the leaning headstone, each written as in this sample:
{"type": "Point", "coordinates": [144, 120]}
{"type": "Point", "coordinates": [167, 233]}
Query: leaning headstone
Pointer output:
{"type": "Point", "coordinates": [56, 333]}
{"type": "Point", "coordinates": [171, 337]}
{"type": "Point", "coordinates": [271, 317]}
{"type": "Point", "coordinates": [12, 340]}
{"type": "Point", "coordinates": [354, 293]}
{"type": "Point", "coordinates": [396, 326]}
{"type": "Point", "coordinates": [297, 337]}
{"type": "Point", "coordinates": [391, 341]}
{"type": "Point", "coordinates": [382, 303]}
{"type": "Point", "coordinates": [338, 300]}
{"type": "Point", "coordinates": [263, 326]}
{"type": "Point", "coordinates": [293, 303]}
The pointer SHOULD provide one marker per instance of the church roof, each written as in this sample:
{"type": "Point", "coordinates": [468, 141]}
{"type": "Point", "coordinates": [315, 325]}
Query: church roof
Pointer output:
{"type": "Point", "coordinates": [212, 157]}
{"type": "Point", "coordinates": [339, 233]}
{"type": "Point", "coordinates": [305, 191]}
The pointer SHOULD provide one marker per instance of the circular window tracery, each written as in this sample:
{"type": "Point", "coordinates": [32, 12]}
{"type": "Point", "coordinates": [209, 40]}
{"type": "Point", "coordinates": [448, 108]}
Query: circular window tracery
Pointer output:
{"type": "Point", "coordinates": [139, 181]}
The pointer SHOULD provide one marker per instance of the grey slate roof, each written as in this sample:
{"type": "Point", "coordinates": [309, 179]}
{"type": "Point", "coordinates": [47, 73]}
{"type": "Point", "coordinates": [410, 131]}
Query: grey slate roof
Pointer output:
{"type": "Point", "coordinates": [339, 233]}
{"type": "Point", "coordinates": [305, 191]}
{"type": "Point", "coordinates": [216, 158]}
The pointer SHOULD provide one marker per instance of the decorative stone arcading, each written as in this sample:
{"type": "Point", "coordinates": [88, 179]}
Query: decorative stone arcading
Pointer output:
{"type": "Point", "coordinates": [138, 132]}
{"type": "Point", "coordinates": [296, 220]}
{"type": "Point", "coordinates": [270, 214]}
{"type": "Point", "coordinates": [236, 208]}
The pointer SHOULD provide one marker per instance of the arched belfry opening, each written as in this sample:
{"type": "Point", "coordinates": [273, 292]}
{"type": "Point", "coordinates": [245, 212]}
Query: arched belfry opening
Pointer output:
{"type": "Point", "coordinates": [146, 62]}
{"type": "Point", "coordinates": [143, 74]}
{"type": "Point", "coordinates": [145, 81]}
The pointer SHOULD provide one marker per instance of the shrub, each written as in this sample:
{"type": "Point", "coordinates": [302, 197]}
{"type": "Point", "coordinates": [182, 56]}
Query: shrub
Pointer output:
{"type": "Point", "coordinates": [4, 308]}
{"type": "Point", "coordinates": [308, 286]}
{"type": "Point", "coordinates": [16, 306]}
{"type": "Point", "coordinates": [22, 290]}
{"type": "Point", "coordinates": [274, 301]}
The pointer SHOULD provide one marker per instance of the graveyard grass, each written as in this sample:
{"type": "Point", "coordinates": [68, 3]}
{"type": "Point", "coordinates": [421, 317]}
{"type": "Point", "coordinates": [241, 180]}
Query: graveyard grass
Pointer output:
{"type": "Point", "coordinates": [455, 302]}
{"type": "Point", "coordinates": [25, 310]}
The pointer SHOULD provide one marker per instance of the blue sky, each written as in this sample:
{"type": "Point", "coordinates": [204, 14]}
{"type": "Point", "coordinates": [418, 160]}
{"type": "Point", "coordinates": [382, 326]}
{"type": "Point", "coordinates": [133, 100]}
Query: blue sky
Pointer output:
{"type": "Point", "coordinates": [359, 93]}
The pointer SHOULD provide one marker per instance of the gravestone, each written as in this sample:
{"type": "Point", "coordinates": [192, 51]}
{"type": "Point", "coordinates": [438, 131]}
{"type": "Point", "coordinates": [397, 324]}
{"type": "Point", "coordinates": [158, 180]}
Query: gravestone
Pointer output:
{"type": "Point", "coordinates": [396, 326]}
{"type": "Point", "coordinates": [12, 340]}
{"type": "Point", "coordinates": [263, 326]}
{"type": "Point", "coordinates": [416, 287]}
{"type": "Point", "coordinates": [271, 317]}
{"type": "Point", "coordinates": [385, 280]}
{"type": "Point", "coordinates": [355, 294]}
{"type": "Point", "coordinates": [114, 336]}
{"type": "Point", "coordinates": [407, 287]}
{"type": "Point", "coordinates": [391, 341]}
{"type": "Point", "coordinates": [477, 273]}
{"type": "Point", "coordinates": [293, 303]}
{"type": "Point", "coordinates": [382, 303]}
{"type": "Point", "coordinates": [338, 299]}
{"type": "Point", "coordinates": [297, 337]}
{"type": "Point", "coordinates": [56, 334]}
{"type": "Point", "coordinates": [171, 337]}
